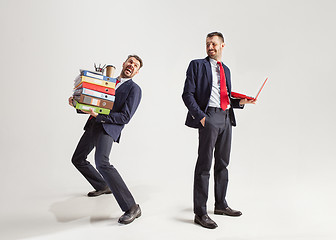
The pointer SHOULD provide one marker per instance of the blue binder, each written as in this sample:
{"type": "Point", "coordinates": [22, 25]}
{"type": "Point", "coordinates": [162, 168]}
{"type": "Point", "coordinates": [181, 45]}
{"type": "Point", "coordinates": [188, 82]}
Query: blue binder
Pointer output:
{"type": "Point", "coordinates": [96, 75]}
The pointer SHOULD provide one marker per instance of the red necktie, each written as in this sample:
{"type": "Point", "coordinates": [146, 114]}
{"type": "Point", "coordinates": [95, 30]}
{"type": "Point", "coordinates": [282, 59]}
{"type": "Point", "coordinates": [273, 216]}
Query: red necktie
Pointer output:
{"type": "Point", "coordinates": [224, 98]}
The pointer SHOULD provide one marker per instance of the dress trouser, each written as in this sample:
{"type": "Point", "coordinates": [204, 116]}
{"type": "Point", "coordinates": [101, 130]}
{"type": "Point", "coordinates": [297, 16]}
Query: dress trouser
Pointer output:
{"type": "Point", "coordinates": [214, 139]}
{"type": "Point", "coordinates": [107, 175]}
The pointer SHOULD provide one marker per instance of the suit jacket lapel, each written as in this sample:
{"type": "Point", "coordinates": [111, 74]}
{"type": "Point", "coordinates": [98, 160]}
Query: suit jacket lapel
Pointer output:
{"type": "Point", "coordinates": [124, 86]}
{"type": "Point", "coordinates": [122, 92]}
{"type": "Point", "coordinates": [228, 82]}
{"type": "Point", "coordinates": [208, 70]}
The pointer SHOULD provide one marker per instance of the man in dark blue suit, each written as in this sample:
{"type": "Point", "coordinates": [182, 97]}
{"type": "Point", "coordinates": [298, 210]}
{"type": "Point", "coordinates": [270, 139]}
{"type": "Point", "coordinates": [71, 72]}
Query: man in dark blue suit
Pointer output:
{"type": "Point", "coordinates": [207, 95]}
{"type": "Point", "coordinates": [100, 132]}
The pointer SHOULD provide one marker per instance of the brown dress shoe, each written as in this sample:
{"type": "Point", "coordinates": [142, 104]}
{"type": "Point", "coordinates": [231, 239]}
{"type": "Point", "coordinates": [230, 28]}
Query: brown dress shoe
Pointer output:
{"type": "Point", "coordinates": [99, 192]}
{"type": "Point", "coordinates": [130, 215]}
{"type": "Point", "coordinates": [205, 221]}
{"type": "Point", "coordinates": [228, 211]}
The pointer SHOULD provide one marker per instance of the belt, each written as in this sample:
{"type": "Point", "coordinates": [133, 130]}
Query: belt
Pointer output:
{"type": "Point", "coordinates": [217, 109]}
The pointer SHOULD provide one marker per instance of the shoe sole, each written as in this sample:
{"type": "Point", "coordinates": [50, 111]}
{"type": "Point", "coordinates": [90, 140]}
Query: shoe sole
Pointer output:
{"type": "Point", "coordinates": [97, 195]}
{"type": "Point", "coordinates": [221, 213]}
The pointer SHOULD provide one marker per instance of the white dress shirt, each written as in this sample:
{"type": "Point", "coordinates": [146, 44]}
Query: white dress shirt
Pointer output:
{"type": "Point", "coordinates": [215, 90]}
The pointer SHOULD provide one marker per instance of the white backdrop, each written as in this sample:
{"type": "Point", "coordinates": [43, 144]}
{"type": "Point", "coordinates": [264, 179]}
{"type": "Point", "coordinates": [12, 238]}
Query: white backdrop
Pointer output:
{"type": "Point", "coordinates": [283, 153]}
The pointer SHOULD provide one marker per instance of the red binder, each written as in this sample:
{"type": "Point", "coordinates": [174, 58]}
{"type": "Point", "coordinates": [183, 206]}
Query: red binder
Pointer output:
{"type": "Point", "coordinates": [98, 88]}
{"type": "Point", "coordinates": [243, 96]}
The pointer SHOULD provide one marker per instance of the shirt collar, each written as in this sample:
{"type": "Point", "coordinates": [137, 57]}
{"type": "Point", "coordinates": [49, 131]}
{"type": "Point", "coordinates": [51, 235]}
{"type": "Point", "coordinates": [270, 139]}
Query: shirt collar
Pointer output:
{"type": "Point", "coordinates": [122, 80]}
{"type": "Point", "coordinates": [213, 62]}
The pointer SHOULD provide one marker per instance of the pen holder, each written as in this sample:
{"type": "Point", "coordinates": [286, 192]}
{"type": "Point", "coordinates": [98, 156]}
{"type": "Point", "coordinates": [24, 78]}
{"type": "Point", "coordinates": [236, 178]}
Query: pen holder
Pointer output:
{"type": "Point", "coordinates": [110, 71]}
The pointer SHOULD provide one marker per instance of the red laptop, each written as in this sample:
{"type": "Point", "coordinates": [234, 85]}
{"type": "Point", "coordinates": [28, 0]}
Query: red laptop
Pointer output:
{"type": "Point", "coordinates": [243, 96]}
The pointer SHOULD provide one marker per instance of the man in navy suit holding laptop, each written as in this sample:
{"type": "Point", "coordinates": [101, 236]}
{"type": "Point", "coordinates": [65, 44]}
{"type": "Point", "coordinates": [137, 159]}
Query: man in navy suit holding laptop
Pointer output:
{"type": "Point", "coordinates": [100, 132]}
{"type": "Point", "coordinates": [207, 95]}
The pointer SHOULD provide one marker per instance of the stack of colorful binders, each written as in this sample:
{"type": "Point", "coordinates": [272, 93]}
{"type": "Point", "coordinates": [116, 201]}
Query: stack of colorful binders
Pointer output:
{"type": "Point", "coordinates": [94, 91]}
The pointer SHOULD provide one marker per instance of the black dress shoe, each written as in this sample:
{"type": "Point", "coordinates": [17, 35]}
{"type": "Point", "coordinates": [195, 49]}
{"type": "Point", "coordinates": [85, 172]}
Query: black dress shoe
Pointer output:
{"type": "Point", "coordinates": [205, 221]}
{"type": "Point", "coordinates": [228, 211]}
{"type": "Point", "coordinates": [130, 215]}
{"type": "Point", "coordinates": [99, 192]}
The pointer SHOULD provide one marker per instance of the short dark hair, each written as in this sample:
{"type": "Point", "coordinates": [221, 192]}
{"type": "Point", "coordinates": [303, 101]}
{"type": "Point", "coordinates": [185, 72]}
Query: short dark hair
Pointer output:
{"type": "Point", "coordinates": [137, 58]}
{"type": "Point", "coordinates": [218, 34]}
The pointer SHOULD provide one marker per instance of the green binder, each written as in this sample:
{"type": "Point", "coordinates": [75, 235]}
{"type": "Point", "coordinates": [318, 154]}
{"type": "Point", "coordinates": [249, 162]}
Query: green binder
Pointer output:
{"type": "Point", "coordinates": [86, 107]}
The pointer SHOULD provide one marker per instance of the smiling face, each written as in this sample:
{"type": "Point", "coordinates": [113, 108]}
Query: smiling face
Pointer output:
{"type": "Point", "coordinates": [130, 68]}
{"type": "Point", "coordinates": [214, 47]}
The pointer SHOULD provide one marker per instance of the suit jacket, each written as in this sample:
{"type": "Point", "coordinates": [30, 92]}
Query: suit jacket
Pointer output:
{"type": "Point", "coordinates": [127, 99]}
{"type": "Point", "coordinates": [197, 91]}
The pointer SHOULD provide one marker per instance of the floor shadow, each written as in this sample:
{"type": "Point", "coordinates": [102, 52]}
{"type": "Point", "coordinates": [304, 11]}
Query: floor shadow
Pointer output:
{"type": "Point", "coordinates": [188, 220]}
{"type": "Point", "coordinates": [97, 209]}
{"type": "Point", "coordinates": [187, 210]}
{"type": "Point", "coordinates": [71, 213]}
{"type": "Point", "coordinates": [185, 220]}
